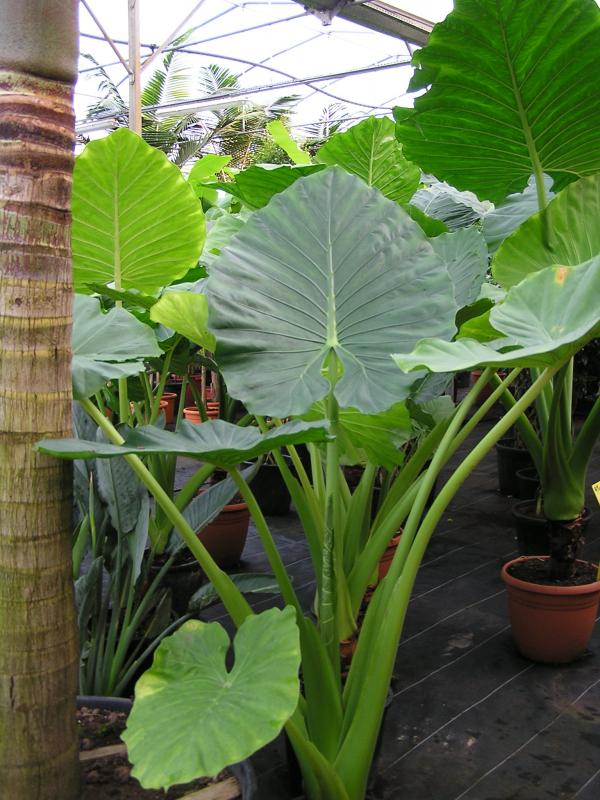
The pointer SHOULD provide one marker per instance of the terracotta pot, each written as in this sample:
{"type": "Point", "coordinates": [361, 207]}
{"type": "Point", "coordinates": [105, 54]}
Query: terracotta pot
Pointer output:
{"type": "Point", "coordinates": [487, 389]}
{"type": "Point", "coordinates": [192, 414]}
{"type": "Point", "coordinates": [225, 536]}
{"type": "Point", "coordinates": [550, 624]}
{"type": "Point", "coordinates": [386, 559]}
{"type": "Point", "coordinates": [169, 399]}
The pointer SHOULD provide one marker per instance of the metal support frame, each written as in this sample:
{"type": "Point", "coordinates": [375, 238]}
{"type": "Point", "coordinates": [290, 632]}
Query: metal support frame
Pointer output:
{"type": "Point", "coordinates": [135, 88]}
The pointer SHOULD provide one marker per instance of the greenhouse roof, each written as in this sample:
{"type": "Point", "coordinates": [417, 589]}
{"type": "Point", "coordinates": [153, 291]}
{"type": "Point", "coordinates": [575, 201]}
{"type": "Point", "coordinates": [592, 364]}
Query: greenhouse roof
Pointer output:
{"type": "Point", "coordinates": [352, 57]}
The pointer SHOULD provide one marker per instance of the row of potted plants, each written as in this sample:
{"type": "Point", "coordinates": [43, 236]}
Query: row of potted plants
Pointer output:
{"type": "Point", "coordinates": [337, 330]}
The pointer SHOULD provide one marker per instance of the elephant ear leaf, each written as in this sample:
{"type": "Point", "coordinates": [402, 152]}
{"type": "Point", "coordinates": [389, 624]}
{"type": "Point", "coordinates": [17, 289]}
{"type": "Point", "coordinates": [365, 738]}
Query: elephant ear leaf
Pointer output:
{"type": "Point", "coordinates": [136, 221]}
{"type": "Point", "coordinates": [329, 266]}
{"type": "Point", "coordinates": [371, 151]}
{"type": "Point", "coordinates": [236, 710]}
{"type": "Point", "coordinates": [509, 92]}
{"type": "Point", "coordinates": [544, 320]}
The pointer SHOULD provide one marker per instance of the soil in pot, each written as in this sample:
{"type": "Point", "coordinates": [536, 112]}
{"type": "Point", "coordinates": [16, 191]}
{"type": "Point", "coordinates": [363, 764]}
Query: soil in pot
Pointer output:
{"type": "Point", "coordinates": [510, 460]}
{"type": "Point", "coordinates": [106, 776]}
{"type": "Point", "coordinates": [533, 535]}
{"type": "Point", "coordinates": [552, 622]}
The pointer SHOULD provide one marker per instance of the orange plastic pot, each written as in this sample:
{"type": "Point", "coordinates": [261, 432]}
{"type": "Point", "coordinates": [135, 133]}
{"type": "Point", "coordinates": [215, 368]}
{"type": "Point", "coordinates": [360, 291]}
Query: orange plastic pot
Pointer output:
{"type": "Point", "coordinates": [169, 398]}
{"type": "Point", "coordinates": [192, 414]}
{"type": "Point", "coordinates": [550, 624]}
{"type": "Point", "coordinates": [225, 537]}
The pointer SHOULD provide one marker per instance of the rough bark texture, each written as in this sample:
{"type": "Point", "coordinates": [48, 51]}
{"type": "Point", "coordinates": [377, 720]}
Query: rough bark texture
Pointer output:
{"type": "Point", "coordinates": [38, 643]}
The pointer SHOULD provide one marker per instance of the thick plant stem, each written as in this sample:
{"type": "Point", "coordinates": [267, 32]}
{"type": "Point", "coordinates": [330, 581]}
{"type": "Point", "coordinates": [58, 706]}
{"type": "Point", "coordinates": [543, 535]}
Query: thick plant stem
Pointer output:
{"type": "Point", "coordinates": [39, 652]}
{"type": "Point", "coordinates": [233, 600]}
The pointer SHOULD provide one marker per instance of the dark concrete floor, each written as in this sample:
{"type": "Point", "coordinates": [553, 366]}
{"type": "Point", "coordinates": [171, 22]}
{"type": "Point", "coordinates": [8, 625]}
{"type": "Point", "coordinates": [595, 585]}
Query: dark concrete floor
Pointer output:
{"type": "Point", "coordinates": [470, 717]}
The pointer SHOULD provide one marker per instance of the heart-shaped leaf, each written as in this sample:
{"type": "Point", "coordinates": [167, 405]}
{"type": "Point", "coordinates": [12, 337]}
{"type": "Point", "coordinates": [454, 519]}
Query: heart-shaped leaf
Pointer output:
{"type": "Point", "coordinates": [330, 266]}
{"type": "Point", "coordinates": [574, 235]}
{"type": "Point", "coordinates": [371, 151]}
{"type": "Point", "coordinates": [545, 319]}
{"type": "Point", "coordinates": [192, 716]}
{"type": "Point", "coordinates": [136, 220]}
{"type": "Point", "coordinates": [510, 91]}
{"type": "Point", "coordinates": [216, 442]}
{"type": "Point", "coordinates": [446, 204]}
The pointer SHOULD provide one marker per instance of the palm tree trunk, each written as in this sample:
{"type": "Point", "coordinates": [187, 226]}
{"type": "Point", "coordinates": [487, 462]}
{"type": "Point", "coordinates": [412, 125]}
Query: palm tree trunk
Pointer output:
{"type": "Point", "coordinates": [38, 642]}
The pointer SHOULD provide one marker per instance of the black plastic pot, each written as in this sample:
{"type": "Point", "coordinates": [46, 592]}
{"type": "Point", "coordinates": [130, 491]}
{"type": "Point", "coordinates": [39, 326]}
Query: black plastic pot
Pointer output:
{"type": "Point", "coordinates": [270, 490]}
{"type": "Point", "coordinates": [295, 775]}
{"type": "Point", "coordinates": [510, 460]}
{"type": "Point", "coordinates": [529, 483]}
{"type": "Point", "coordinates": [104, 703]}
{"type": "Point", "coordinates": [532, 530]}
{"type": "Point", "coordinates": [183, 579]}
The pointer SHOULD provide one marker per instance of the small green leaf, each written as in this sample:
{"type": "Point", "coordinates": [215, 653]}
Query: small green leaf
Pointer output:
{"type": "Point", "coordinates": [256, 186]}
{"type": "Point", "coordinates": [213, 716]}
{"type": "Point", "coordinates": [281, 136]}
{"type": "Point", "coordinates": [185, 313]}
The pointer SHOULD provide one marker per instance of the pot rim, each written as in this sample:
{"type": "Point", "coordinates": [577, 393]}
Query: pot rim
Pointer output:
{"type": "Point", "coordinates": [541, 588]}
{"type": "Point", "coordinates": [521, 505]}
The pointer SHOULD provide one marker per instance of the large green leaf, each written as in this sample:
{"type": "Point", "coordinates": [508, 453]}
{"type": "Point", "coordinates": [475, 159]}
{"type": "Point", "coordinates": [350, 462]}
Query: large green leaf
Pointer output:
{"type": "Point", "coordinates": [330, 265]}
{"type": "Point", "coordinates": [185, 313]}
{"type": "Point", "coordinates": [545, 319]}
{"type": "Point", "coordinates": [213, 716]}
{"type": "Point", "coordinates": [465, 255]}
{"type": "Point", "coordinates": [511, 92]}
{"type": "Point", "coordinates": [256, 186]}
{"type": "Point", "coordinates": [216, 442]}
{"type": "Point", "coordinates": [107, 346]}
{"type": "Point", "coordinates": [506, 218]}
{"type": "Point", "coordinates": [136, 220]}
{"type": "Point", "coordinates": [574, 235]}
{"type": "Point", "coordinates": [371, 151]}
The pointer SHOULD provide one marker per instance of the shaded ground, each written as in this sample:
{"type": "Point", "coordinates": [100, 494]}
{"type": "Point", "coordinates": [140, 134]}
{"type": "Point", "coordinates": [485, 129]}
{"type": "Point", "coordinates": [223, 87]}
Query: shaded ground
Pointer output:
{"type": "Point", "coordinates": [470, 718]}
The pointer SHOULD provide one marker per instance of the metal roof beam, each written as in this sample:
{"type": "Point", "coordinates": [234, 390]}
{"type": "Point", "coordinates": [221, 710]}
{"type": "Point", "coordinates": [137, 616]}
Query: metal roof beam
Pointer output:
{"type": "Point", "coordinates": [374, 14]}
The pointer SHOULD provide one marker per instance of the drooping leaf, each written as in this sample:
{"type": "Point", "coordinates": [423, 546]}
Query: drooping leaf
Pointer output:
{"type": "Point", "coordinates": [207, 167]}
{"type": "Point", "coordinates": [107, 346]}
{"type": "Point", "coordinates": [136, 220]}
{"type": "Point", "coordinates": [378, 436]}
{"type": "Point", "coordinates": [256, 186]}
{"type": "Point", "coordinates": [544, 320]}
{"type": "Point", "coordinates": [330, 265]}
{"type": "Point", "coordinates": [371, 151]}
{"type": "Point", "coordinates": [281, 136]}
{"type": "Point", "coordinates": [246, 582]}
{"type": "Point", "coordinates": [429, 225]}
{"type": "Point", "coordinates": [573, 230]}
{"type": "Point", "coordinates": [511, 92]}
{"type": "Point", "coordinates": [465, 255]}
{"type": "Point", "coordinates": [185, 313]}
{"type": "Point", "coordinates": [443, 202]}
{"type": "Point", "coordinates": [236, 711]}
{"type": "Point", "coordinates": [137, 540]}
{"type": "Point", "coordinates": [505, 218]}
{"type": "Point", "coordinates": [216, 442]}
